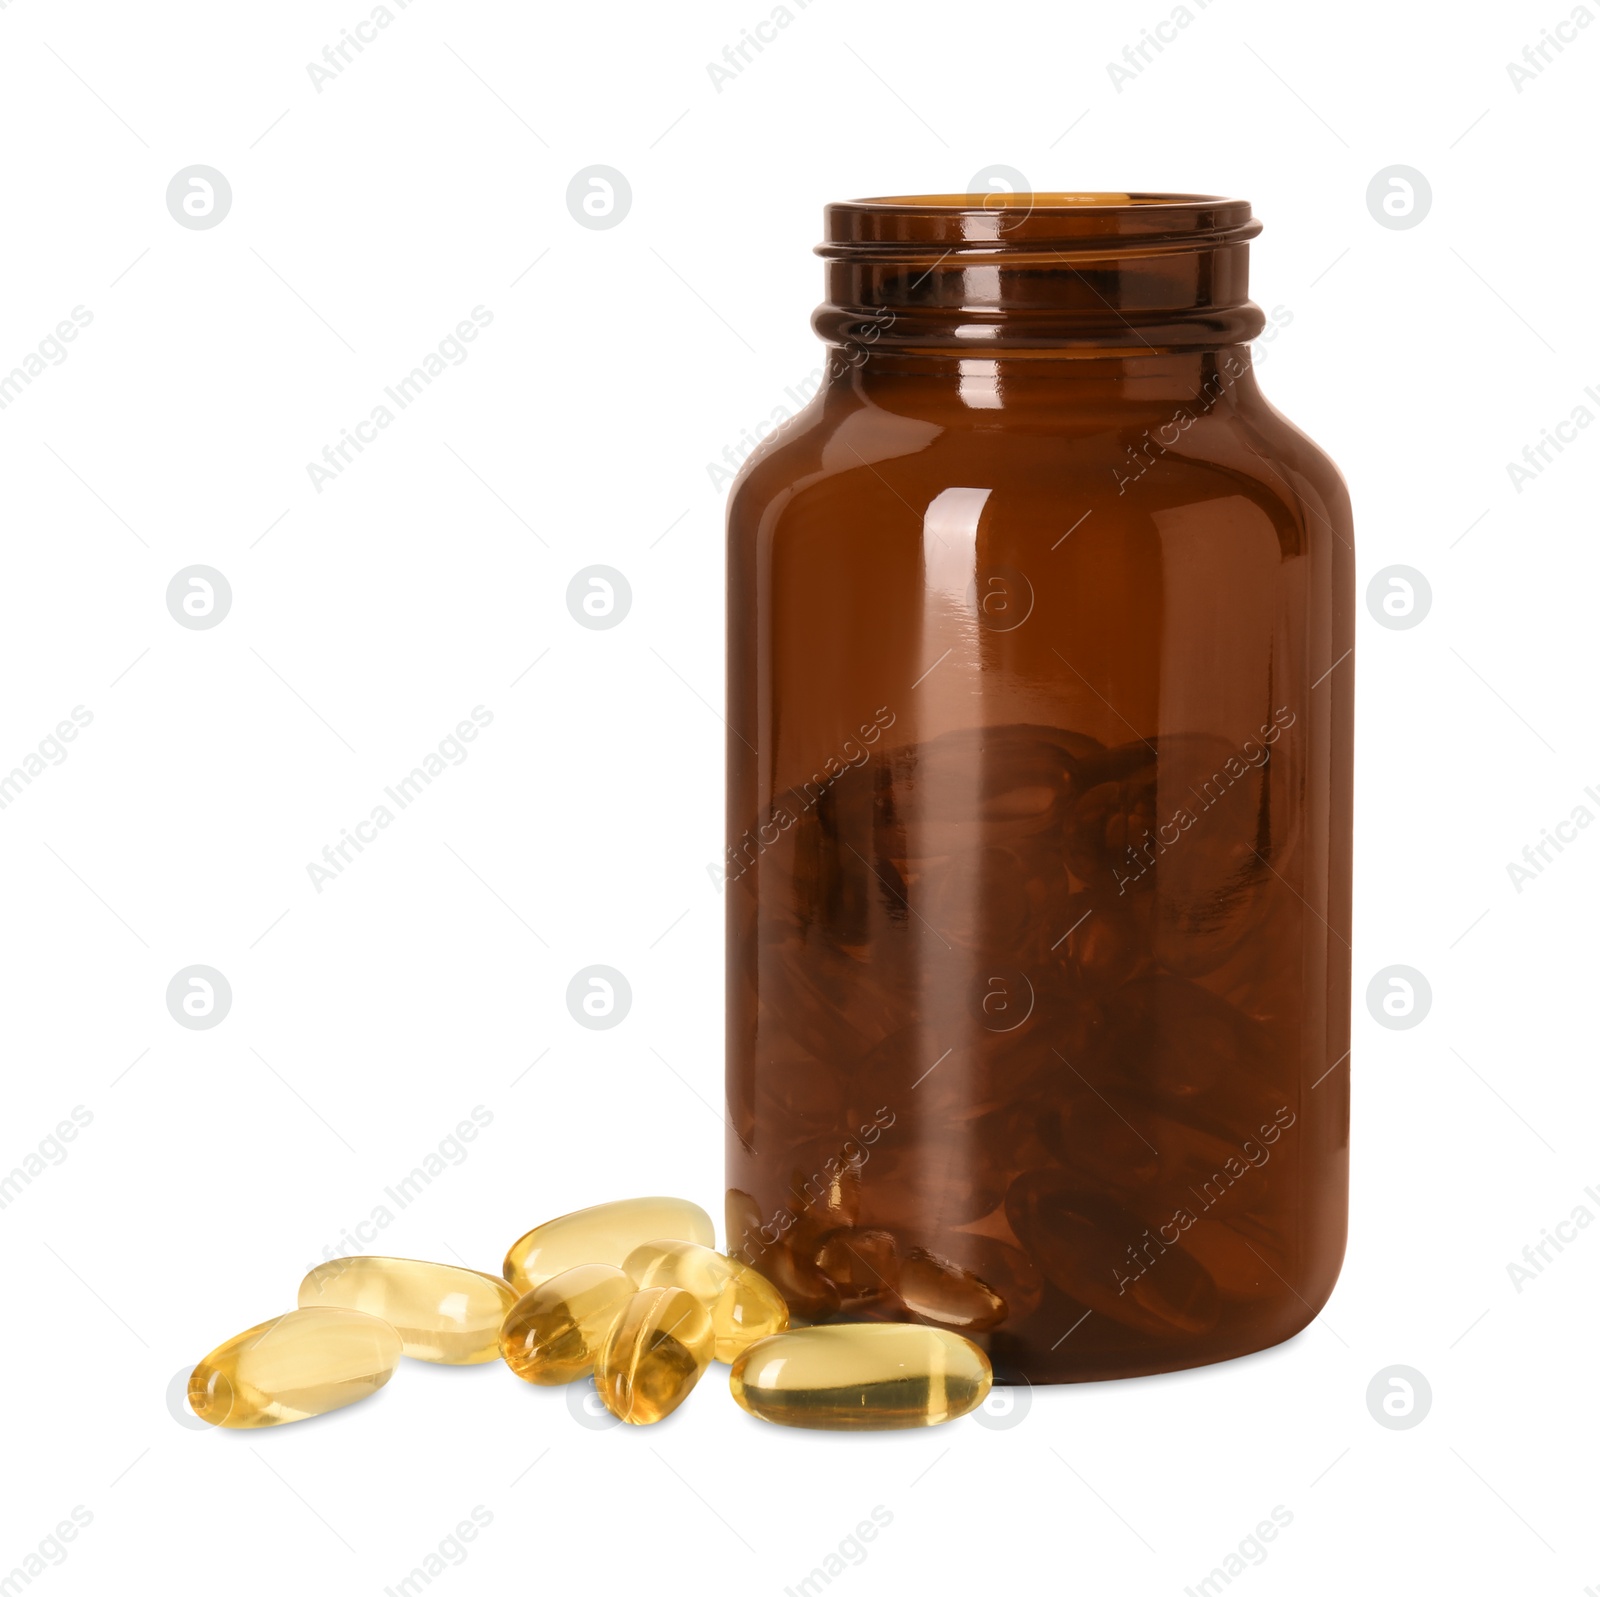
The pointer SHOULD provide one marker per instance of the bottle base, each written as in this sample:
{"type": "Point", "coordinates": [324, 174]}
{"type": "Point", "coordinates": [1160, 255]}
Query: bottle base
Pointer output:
{"type": "Point", "coordinates": [1107, 1353]}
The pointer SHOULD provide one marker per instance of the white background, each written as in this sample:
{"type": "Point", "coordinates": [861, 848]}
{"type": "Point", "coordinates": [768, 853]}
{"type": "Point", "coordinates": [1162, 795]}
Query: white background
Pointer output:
{"type": "Point", "coordinates": [368, 218]}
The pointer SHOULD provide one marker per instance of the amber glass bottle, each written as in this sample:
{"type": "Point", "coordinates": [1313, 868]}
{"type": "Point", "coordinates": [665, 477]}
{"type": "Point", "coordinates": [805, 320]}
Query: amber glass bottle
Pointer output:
{"type": "Point", "coordinates": [1038, 872]}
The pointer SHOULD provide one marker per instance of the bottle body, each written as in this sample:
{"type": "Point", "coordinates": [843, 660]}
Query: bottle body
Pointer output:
{"type": "Point", "coordinates": [1039, 856]}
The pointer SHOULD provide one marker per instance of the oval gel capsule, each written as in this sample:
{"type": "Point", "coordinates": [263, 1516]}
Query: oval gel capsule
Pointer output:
{"type": "Point", "coordinates": [744, 1306]}
{"type": "Point", "coordinates": [861, 1377]}
{"type": "Point", "coordinates": [445, 1314]}
{"type": "Point", "coordinates": [605, 1234]}
{"type": "Point", "coordinates": [306, 1362]}
{"type": "Point", "coordinates": [652, 1356]}
{"type": "Point", "coordinates": [553, 1333]}
{"type": "Point", "coordinates": [863, 1262]}
{"type": "Point", "coordinates": [938, 1289]}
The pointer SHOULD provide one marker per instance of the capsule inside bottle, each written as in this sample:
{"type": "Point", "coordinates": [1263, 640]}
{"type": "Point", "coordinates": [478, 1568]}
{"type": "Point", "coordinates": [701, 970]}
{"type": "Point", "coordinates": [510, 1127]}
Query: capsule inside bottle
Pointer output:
{"type": "Point", "coordinates": [445, 1314]}
{"type": "Point", "coordinates": [304, 1363]}
{"type": "Point", "coordinates": [861, 1377]}
{"type": "Point", "coordinates": [604, 1234]}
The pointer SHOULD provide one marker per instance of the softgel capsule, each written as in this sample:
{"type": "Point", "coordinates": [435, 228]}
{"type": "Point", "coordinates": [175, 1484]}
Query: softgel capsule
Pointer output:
{"type": "Point", "coordinates": [444, 1313]}
{"type": "Point", "coordinates": [861, 1377]}
{"type": "Point", "coordinates": [306, 1362]}
{"type": "Point", "coordinates": [653, 1355]}
{"type": "Point", "coordinates": [553, 1333]}
{"type": "Point", "coordinates": [605, 1234]}
{"type": "Point", "coordinates": [744, 1306]}
{"type": "Point", "coordinates": [634, 1292]}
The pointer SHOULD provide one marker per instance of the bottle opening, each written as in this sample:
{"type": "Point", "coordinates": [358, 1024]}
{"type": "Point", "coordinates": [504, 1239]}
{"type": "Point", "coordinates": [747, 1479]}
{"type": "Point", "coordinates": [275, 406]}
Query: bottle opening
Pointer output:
{"type": "Point", "coordinates": [1008, 200]}
{"type": "Point", "coordinates": [1124, 273]}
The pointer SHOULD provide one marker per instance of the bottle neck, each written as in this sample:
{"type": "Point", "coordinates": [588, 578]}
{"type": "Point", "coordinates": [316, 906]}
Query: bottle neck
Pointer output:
{"type": "Point", "coordinates": [1188, 384]}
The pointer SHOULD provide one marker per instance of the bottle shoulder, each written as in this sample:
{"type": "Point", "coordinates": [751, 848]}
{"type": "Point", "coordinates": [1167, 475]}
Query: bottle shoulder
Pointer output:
{"type": "Point", "coordinates": [1141, 463]}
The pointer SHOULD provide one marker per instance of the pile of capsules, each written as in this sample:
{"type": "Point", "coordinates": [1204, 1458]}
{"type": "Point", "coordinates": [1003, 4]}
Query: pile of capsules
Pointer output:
{"type": "Point", "coordinates": [633, 1293]}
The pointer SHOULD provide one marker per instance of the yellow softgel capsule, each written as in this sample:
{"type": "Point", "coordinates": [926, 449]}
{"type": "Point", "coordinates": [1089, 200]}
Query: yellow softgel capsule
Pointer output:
{"type": "Point", "coordinates": [306, 1362]}
{"type": "Point", "coordinates": [444, 1313]}
{"type": "Point", "coordinates": [653, 1354]}
{"type": "Point", "coordinates": [605, 1234]}
{"type": "Point", "coordinates": [553, 1333]}
{"type": "Point", "coordinates": [861, 1377]}
{"type": "Point", "coordinates": [744, 1306]}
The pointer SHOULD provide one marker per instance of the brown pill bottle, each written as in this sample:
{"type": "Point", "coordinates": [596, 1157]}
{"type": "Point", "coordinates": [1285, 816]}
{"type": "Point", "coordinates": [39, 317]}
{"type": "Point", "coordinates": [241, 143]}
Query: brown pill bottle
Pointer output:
{"type": "Point", "coordinates": [1040, 698]}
